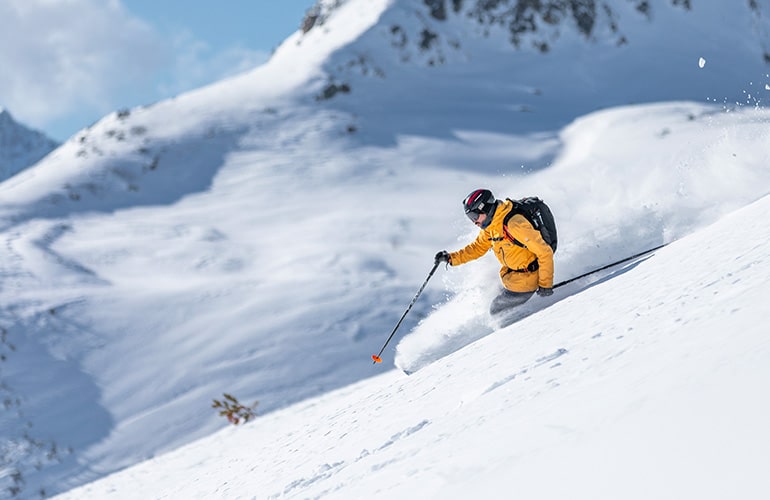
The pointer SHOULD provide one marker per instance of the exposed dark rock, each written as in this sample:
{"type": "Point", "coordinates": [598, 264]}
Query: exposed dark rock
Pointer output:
{"type": "Point", "coordinates": [682, 3]}
{"type": "Point", "coordinates": [584, 12]}
{"type": "Point", "coordinates": [643, 7]}
{"type": "Point", "coordinates": [333, 89]}
{"type": "Point", "coordinates": [437, 9]}
{"type": "Point", "coordinates": [399, 37]}
{"type": "Point", "coordinates": [311, 18]}
{"type": "Point", "coordinates": [426, 39]}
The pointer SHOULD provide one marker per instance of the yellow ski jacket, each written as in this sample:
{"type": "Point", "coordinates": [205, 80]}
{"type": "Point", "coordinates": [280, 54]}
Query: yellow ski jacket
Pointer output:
{"type": "Point", "coordinates": [515, 260]}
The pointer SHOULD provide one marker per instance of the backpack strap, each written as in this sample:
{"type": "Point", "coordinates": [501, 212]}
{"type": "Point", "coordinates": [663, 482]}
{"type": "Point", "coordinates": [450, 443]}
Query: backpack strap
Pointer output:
{"type": "Point", "coordinates": [508, 216]}
{"type": "Point", "coordinates": [510, 237]}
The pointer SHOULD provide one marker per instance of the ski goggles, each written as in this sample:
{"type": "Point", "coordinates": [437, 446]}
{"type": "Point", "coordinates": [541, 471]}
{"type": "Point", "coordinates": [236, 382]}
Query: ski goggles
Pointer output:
{"type": "Point", "coordinates": [473, 215]}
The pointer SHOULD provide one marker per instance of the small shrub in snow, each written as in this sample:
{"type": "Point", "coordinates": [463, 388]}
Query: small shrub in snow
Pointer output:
{"type": "Point", "coordinates": [233, 410]}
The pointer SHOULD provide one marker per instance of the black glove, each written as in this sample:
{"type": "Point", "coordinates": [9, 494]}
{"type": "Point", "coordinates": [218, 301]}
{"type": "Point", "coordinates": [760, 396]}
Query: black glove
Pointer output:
{"type": "Point", "coordinates": [443, 256]}
{"type": "Point", "coordinates": [545, 292]}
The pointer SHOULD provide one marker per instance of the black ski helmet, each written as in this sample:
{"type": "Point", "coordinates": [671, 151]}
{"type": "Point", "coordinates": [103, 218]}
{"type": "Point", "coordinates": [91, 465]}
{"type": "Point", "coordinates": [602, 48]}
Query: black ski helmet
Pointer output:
{"type": "Point", "coordinates": [480, 201]}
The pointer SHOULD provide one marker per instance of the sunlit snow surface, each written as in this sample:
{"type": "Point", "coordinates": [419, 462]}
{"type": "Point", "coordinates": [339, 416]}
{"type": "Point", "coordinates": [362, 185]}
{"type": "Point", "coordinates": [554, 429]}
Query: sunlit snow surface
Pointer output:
{"type": "Point", "coordinates": [651, 384]}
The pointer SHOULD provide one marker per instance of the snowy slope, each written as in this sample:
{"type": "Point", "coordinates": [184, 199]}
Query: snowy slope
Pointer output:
{"type": "Point", "coordinates": [472, 74]}
{"type": "Point", "coordinates": [20, 147]}
{"type": "Point", "coordinates": [650, 384]}
{"type": "Point", "coordinates": [255, 237]}
{"type": "Point", "coordinates": [625, 180]}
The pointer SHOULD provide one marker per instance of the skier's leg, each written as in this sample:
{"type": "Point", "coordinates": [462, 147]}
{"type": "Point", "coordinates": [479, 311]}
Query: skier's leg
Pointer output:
{"type": "Point", "coordinates": [507, 300]}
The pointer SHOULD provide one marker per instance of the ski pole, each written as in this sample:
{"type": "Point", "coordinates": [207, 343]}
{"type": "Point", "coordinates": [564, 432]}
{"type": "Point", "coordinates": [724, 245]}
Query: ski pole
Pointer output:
{"type": "Point", "coordinates": [557, 285]}
{"type": "Point", "coordinates": [376, 357]}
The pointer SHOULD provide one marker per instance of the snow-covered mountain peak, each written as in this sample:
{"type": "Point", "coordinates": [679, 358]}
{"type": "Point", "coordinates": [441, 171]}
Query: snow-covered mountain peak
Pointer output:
{"type": "Point", "coordinates": [541, 26]}
{"type": "Point", "coordinates": [20, 146]}
{"type": "Point", "coordinates": [535, 65]}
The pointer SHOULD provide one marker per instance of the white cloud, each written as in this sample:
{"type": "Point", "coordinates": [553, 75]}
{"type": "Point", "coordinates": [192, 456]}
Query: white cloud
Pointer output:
{"type": "Point", "coordinates": [76, 60]}
{"type": "Point", "coordinates": [58, 56]}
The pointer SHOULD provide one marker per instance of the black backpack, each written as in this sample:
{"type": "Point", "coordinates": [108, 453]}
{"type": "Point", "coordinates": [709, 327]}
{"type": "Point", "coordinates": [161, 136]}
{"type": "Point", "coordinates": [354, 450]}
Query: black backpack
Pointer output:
{"type": "Point", "coordinates": [538, 214]}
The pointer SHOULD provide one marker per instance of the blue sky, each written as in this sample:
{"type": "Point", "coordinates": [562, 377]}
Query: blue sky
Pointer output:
{"type": "Point", "coordinates": [67, 64]}
{"type": "Point", "coordinates": [257, 24]}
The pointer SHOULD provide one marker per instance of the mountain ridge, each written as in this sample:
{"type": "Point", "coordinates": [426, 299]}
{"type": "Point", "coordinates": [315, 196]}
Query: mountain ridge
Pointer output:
{"type": "Point", "coordinates": [539, 22]}
{"type": "Point", "coordinates": [659, 51]}
{"type": "Point", "coordinates": [20, 146]}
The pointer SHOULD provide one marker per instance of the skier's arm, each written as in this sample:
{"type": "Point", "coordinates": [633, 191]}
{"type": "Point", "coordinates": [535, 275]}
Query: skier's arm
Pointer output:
{"type": "Point", "coordinates": [473, 251]}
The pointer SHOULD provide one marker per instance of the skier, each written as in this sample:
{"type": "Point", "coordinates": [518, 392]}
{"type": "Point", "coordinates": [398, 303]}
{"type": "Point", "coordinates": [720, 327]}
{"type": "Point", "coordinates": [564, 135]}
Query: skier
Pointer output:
{"type": "Point", "coordinates": [526, 258]}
